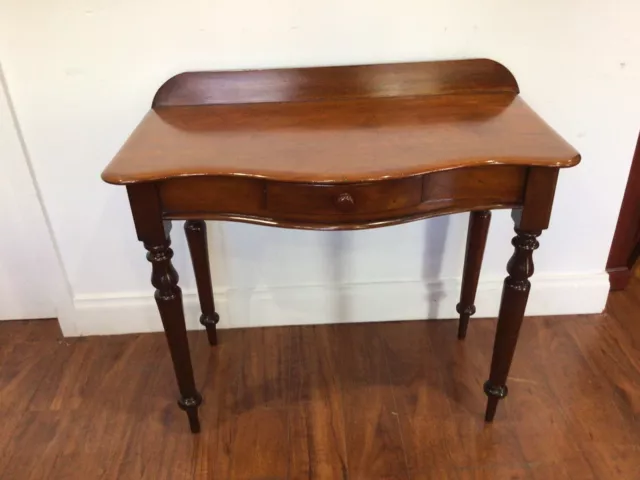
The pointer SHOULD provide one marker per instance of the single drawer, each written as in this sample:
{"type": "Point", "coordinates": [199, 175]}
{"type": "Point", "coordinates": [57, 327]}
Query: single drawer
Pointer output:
{"type": "Point", "coordinates": [500, 184]}
{"type": "Point", "coordinates": [343, 199]}
{"type": "Point", "coordinates": [212, 195]}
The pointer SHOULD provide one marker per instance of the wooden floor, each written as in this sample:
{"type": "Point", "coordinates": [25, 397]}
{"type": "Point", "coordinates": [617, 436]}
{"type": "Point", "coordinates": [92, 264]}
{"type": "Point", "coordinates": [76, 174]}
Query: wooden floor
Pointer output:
{"type": "Point", "coordinates": [394, 401]}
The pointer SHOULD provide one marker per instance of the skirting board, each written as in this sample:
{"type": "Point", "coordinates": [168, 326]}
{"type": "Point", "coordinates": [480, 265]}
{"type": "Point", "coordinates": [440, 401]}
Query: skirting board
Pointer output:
{"type": "Point", "coordinates": [307, 305]}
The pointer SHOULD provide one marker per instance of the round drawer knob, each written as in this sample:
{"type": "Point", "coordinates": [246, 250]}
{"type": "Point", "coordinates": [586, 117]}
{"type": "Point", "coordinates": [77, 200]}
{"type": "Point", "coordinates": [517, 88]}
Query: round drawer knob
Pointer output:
{"type": "Point", "coordinates": [345, 202]}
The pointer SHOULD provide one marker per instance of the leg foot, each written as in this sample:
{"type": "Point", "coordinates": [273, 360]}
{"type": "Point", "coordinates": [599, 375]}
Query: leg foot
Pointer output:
{"type": "Point", "coordinates": [465, 314]}
{"type": "Point", "coordinates": [512, 306]}
{"type": "Point", "coordinates": [209, 322]}
{"type": "Point", "coordinates": [190, 406]}
{"type": "Point", "coordinates": [196, 231]}
{"type": "Point", "coordinates": [494, 393]}
{"type": "Point", "coordinates": [476, 241]}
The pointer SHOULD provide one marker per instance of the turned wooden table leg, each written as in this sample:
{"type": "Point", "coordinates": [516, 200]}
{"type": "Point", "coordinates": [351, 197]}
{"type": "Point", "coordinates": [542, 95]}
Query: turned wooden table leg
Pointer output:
{"type": "Point", "coordinates": [476, 241]}
{"type": "Point", "coordinates": [196, 231]}
{"type": "Point", "coordinates": [154, 234]}
{"type": "Point", "coordinates": [512, 306]}
{"type": "Point", "coordinates": [169, 300]}
{"type": "Point", "coordinates": [529, 220]}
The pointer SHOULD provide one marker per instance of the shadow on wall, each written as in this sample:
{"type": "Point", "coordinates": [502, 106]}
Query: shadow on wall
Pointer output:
{"type": "Point", "coordinates": [436, 230]}
{"type": "Point", "coordinates": [283, 277]}
{"type": "Point", "coordinates": [341, 308]}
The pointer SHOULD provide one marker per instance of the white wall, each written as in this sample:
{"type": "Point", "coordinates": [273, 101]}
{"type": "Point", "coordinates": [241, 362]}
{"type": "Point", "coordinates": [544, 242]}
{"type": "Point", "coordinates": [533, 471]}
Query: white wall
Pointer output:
{"type": "Point", "coordinates": [32, 284]}
{"type": "Point", "coordinates": [82, 73]}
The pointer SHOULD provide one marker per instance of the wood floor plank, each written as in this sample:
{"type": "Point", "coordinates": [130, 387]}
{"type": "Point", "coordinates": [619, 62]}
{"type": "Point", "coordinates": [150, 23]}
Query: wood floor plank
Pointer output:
{"type": "Point", "coordinates": [16, 332]}
{"type": "Point", "coordinates": [40, 430]}
{"type": "Point", "coordinates": [618, 372]}
{"type": "Point", "coordinates": [622, 308]}
{"type": "Point", "coordinates": [261, 444]}
{"type": "Point", "coordinates": [22, 374]}
{"type": "Point", "coordinates": [609, 460]}
{"type": "Point", "coordinates": [376, 401]}
{"type": "Point", "coordinates": [421, 399]}
{"type": "Point", "coordinates": [213, 446]}
{"type": "Point", "coordinates": [499, 472]}
{"type": "Point", "coordinates": [478, 448]}
{"type": "Point", "coordinates": [586, 395]}
{"type": "Point", "coordinates": [464, 364]}
{"type": "Point", "coordinates": [316, 416]}
{"type": "Point", "coordinates": [157, 418]}
{"type": "Point", "coordinates": [373, 438]}
{"type": "Point", "coordinates": [533, 407]}
{"type": "Point", "coordinates": [566, 469]}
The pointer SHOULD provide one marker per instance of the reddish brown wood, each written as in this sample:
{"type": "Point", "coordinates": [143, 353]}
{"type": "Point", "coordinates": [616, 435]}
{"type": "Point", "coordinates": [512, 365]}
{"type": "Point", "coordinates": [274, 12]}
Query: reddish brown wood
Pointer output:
{"type": "Point", "coordinates": [619, 277]}
{"type": "Point", "coordinates": [340, 148]}
{"type": "Point", "coordinates": [317, 206]}
{"type": "Point", "coordinates": [353, 401]}
{"type": "Point", "coordinates": [214, 195]}
{"type": "Point", "coordinates": [503, 184]}
{"type": "Point", "coordinates": [529, 223]}
{"type": "Point", "coordinates": [337, 200]}
{"type": "Point", "coordinates": [625, 247]}
{"type": "Point", "coordinates": [196, 231]}
{"type": "Point", "coordinates": [476, 240]}
{"type": "Point", "coordinates": [350, 82]}
{"type": "Point", "coordinates": [153, 232]}
{"type": "Point", "coordinates": [538, 199]}
{"type": "Point", "coordinates": [512, 306]}
{"type": "Point", "coordinates": [338, 141]}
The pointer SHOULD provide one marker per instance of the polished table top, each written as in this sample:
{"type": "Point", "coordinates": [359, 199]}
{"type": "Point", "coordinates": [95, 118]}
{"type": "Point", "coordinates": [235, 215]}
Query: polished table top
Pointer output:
{"type": "Point", "coordinates": [334, 141]}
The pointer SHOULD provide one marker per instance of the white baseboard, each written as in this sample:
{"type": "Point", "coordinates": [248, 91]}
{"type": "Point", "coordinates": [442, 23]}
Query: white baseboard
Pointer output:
{"type": "Point", "coordinates": [365, 302]}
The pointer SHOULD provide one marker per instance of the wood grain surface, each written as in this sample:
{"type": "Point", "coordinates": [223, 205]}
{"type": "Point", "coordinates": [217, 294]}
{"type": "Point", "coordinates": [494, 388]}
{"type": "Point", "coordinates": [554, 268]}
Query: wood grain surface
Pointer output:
{"type": "Point", "coordinates": [625, 247]}
{"type": "Point", "coordinates": [338, 124]}
{"type": "Point", "coordinates": [342, 206]}
{"type": "Point", "coordinates": [338, 141]}
{"type": "Point", "coordinates": [396, 400]}
{"type": "Point", "coordinates": [342, 82]}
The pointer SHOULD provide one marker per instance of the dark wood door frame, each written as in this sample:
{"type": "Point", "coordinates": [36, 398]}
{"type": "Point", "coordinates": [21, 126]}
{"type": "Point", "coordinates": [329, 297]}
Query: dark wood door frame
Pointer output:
{"type": "Point", "coordinates": [625, 247]}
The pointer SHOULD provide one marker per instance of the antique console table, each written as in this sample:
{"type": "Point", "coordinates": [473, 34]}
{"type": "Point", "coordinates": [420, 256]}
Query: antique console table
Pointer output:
{"type": "Point", "coordinates": [340, 148]}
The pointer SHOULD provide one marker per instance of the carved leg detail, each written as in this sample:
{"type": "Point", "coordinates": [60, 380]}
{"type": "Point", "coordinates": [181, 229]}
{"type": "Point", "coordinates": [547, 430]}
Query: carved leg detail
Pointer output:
{"type": "Point", "coordinates": [169, 299]}
{"type": "Point", "coordinates": [512, 306]}
{"type": "Point", "coordinates": [196, 231]}
{"type": "Point", "coordinates": [476, 241]}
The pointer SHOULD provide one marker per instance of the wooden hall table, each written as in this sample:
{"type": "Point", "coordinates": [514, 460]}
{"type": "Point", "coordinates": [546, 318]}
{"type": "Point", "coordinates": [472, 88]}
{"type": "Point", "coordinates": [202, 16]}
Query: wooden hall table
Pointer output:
{"type": "Point", "coordinates": [340, 148]}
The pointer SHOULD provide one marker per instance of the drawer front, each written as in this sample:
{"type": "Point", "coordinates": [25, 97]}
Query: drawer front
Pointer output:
{"type": "Point", "coordinates": [344, 206]}
{"type": "Point", "coordinates": [212, 195]}
{"type": "Point", "coordinates": [480, 185]}
{"type": "Point", "coordinates": [343, 199]}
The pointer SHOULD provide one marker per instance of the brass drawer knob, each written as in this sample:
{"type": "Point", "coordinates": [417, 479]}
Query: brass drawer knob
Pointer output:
{"type": "Point", "coordinates": [345, 202]}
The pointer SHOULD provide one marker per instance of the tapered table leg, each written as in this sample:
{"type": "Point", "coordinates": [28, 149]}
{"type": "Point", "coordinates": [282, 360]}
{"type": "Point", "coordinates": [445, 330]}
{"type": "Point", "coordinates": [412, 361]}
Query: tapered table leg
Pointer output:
{"type": "Point", "coordinates": [196, 231]}
{"type": "Point", "coordinates": [154, 233]}
{"type": "Point", "coordinates": [476, 240]}
{"type": "Point", "coordinates": [169, 300]}
{"type": "Point", "coordinates": [512, 306]}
